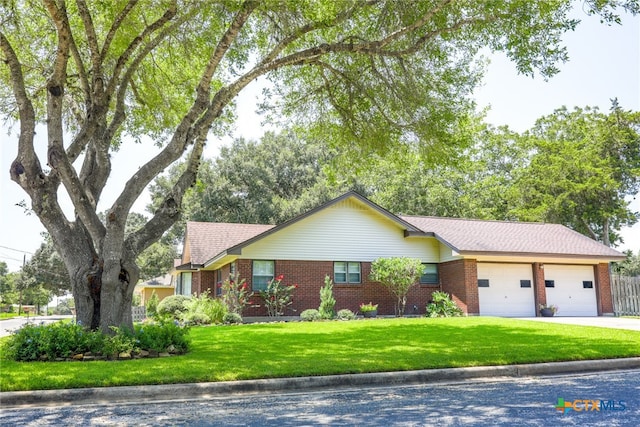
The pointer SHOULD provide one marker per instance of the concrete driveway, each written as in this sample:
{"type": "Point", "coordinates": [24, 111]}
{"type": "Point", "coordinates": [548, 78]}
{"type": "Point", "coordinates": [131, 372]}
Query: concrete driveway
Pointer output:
{"type": "Point", "coordinates": [603, 322]}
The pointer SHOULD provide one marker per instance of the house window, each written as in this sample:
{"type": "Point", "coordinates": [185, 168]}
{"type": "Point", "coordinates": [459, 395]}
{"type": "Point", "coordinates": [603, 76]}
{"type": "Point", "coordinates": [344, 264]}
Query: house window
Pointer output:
{"type": "Point", "coordinates": [346, 272]}
{"type": "Point", "coordinates": [549, 283]}
{"type": "Point", "coordinates": [262, 274]}
{"type": "Point", "coordinates": [184, 284]}
{"type": "Point", "coordinates": [525, 283]}
{"type": "Point", "coordinates": [483, 283]}
{"type": "Point", "coordinates": [587, 284]}
{"type": "Point", "coordinates": [219, 282]}
{"type": "Point", "coordinates": [429, 274]}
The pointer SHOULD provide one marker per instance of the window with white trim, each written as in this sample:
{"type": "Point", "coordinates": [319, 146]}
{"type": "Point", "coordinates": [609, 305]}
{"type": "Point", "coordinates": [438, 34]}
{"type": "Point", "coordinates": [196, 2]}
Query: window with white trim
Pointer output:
{"type": "Point", "coordinates": [262, 274]}
{"type": "Point", "coordinates": [346, 272]}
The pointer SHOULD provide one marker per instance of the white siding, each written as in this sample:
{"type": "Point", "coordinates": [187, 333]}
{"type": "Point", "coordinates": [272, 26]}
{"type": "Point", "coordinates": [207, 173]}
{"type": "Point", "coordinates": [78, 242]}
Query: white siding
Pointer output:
{"type": "Point", "coordinates": [347, 231]}
{"type": "Point", "coordinates": [447, 254]}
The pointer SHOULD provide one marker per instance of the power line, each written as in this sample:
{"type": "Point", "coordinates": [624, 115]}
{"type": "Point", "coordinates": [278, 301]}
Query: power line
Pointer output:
{"type": "Point", "coordinates": [16, 250]}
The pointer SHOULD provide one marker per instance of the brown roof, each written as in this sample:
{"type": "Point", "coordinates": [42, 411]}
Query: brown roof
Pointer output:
{"type": "Point", "coordinates": [208, 239]}
{"type": "Point", "coordinates": [479, 236]}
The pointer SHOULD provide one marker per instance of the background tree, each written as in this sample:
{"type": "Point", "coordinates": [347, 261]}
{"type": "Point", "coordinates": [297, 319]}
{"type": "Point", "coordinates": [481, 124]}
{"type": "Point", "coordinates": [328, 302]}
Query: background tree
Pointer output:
{"type": "Point", "coordinates": [583, 165]}
{"type": "Point", "coordinates": [46, 269]}
{"type": "Point", "coordinates": [630, 266]}
{"type": "Point", "coordinates": [8, 289]}
{"type": "Point", "coordinates": [98, 74]}
{"type": "Point", "coordinates": [398, 275]}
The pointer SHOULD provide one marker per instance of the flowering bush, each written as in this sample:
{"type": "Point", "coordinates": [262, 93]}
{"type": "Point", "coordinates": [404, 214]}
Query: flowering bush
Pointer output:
{"type": "Point", "coordinates": [235, 294]}
{"type": "Point", "coordinates": [277, 297]}
{"type": "Point", "coordinates": [365, 308]}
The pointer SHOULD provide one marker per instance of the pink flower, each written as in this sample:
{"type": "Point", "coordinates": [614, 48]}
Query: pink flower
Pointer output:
{"type": "Point", "coordinates": [295, 286]}
{"type": "Point", "coordinates": [280, 278]}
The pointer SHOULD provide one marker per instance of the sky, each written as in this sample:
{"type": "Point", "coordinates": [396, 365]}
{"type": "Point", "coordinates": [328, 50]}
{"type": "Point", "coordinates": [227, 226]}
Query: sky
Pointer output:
{"type": "Point", "coordinates": [604, 64]}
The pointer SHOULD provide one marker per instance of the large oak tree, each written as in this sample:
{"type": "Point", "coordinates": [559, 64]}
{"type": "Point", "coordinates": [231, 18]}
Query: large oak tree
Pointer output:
{"type": "Point", "coordinates": [96, 73]}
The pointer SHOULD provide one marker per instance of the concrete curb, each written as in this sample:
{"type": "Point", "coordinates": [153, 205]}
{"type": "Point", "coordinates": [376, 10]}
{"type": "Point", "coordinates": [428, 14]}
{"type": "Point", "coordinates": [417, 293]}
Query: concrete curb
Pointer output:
{"type": "Point", "coordinates": [107, 395]}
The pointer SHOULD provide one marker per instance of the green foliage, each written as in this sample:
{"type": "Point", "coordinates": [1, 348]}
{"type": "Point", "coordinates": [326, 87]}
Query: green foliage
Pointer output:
{"type": "Point", "coordinates": [203, 310]}
{"type": "Point", "coordinates": [152, 304]}
{"type": "Point", "coordinates": [398, 275]}
{"type": "Point", "coordinates": [441, 305]}
{"type": "Point", "coordinates": [583, 165]}
{"type": "Point", "coordinates": [160, 336]}
{"type": "Point", "coordinates": [235, 294]}
{"type": "Point", "coordinates": [277, 297]}
{"type": "Point", "coordinates": [46, 270]}
{"type": "Point", "coordinates": [62, 340]}
{"type": "Point", "coordinates": [231, 319]}
{"type": "Point", "coordinates": [327, 301]}
{"type": "Point", "coordinates": [629, 267]}
{"type": "Point", "coordinates": [310, 315]}
{"type": "Point", "coordinates": [173, 306]}
{"type": "Point", "coordinates": [368, 307]}
{"type": "Point", "coordinates": [345, 314]}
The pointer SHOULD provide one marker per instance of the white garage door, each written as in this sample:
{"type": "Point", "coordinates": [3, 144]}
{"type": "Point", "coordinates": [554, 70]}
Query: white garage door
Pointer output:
{"type": "Point", "coordinates": [506, 290]}
{"type": "Point", "coordinates": [572, 289]}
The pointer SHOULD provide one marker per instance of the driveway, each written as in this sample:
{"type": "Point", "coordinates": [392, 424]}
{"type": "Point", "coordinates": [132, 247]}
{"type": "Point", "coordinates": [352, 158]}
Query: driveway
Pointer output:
{"type": "Point", "coordinates": [603, 322]}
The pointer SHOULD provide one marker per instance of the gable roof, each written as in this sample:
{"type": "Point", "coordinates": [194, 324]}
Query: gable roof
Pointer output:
{"type": "Point", "coordinates": [468, 236]}
{"type": "Point", "coordinates": [206, 242]}
{"type": "Point", "coordinates": [208, 239]}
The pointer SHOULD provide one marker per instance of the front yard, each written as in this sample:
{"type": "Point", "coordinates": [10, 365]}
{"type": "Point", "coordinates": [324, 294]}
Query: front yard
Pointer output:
{"type": "Point", "coordinates": [220, 353]}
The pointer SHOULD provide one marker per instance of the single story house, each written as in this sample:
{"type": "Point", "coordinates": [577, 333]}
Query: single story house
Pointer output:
{"type": "Point", "coordinates": [495, 268]}
{"type": "Point", "coordinates": [162, 286]}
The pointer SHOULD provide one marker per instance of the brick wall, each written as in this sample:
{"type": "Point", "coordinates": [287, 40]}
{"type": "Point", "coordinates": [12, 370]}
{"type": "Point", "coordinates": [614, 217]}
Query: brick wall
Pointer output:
{"type": "Point", "coordinates": [460, 280]}
{"type": "Point", "coordinates": [603, 289]}
{"type": "Point", "coordinates": [202, 281]}
{"type": "Point", "coordinates": [309, 276]}
{"type": "Point", "coordinates": [540, 292]}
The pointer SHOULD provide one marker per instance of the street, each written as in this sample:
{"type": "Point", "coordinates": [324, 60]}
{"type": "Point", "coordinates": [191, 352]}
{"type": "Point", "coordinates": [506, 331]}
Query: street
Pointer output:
{"type": "Point", "coordinates": [496, 402]}
{"type": "Point", "coordinates": [7, 326]}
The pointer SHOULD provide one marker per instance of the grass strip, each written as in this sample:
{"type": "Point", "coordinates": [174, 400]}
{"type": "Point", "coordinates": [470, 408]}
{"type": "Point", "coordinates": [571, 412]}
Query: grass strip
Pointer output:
{"type": "Point", "coordinates": [271, 350]}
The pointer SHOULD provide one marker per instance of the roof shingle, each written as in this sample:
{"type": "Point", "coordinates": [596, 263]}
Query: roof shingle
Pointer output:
{"type": "Point", "coordinates": [467, 235]}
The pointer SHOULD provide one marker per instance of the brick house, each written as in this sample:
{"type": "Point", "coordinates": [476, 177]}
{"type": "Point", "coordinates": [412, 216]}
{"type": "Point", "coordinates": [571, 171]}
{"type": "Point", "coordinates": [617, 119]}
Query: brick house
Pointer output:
{"type": "Point", "coordinates": [496, 268]}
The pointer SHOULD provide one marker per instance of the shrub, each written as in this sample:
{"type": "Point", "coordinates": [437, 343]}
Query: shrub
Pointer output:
{"type": "Point", "coordinates": [327, 301]}
{"type": "Point", "coordinates": [203, 310]}
{"type": "Point", "coordinates": [345, 314]}
{"type": "Point", "coordinates": [152, 304]}
{"type": "Point", "coordinates": [442, 306]}
{"type": "Point", "coordinates": [162, 335]}
{"type": "Point", "coordinates": [277, 297]}
{"type": "Point", "coordinates": [310, 315]}
{"type": "Point", "coordinates": [63, 340]}
{"type": "Point", "coordinates": [232, 319]}
{"type": "Point", "coordinates": [235, 294]}
{"type": "Point", "coordinates": [172, 306]}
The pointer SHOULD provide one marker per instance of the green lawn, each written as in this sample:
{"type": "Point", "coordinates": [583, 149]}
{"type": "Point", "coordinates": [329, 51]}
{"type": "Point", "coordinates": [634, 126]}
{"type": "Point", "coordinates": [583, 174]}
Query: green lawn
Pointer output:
{"type": "Point", "coordinates": [297, 349]}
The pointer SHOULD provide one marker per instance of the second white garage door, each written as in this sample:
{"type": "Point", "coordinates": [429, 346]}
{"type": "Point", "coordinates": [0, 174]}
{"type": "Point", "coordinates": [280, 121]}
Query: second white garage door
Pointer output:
{"type": "Point", "coordinates": [572, 289]}
{"type": "Point", "coordinates": [506, 290]}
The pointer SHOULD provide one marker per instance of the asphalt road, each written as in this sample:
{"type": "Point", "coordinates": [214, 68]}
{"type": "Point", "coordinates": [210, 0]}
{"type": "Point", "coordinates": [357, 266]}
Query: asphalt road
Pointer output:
{"type": "Point", "coordinates": [7, 326]}
{"type": "Point", "coordinates": [494, 402]}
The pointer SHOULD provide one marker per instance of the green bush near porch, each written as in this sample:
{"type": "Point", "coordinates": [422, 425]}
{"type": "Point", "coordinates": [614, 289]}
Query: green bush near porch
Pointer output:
{"type": "Point", "coordinates": [219, 353]}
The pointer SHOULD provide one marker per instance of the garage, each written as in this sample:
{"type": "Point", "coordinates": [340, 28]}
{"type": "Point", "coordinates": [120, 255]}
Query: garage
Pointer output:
{"type": "Point", "coordinates": [572, 288]}
{"type": "Point", "coordinates": [506, 290]}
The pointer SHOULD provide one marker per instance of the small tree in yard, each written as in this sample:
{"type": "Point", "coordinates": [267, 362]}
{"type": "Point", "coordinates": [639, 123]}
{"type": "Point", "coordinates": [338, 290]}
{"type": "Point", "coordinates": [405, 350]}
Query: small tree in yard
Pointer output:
{"type": "Point", "coordinates": [398, 275]}
{"type": "Point", "coordinates": [235, 294]}
{"type": "Point", "coordinates": [152, 304]}
{"type": "Point", "coordinates": [327, 301]}
{"type": "Point", "coordinates": [277, 297]}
